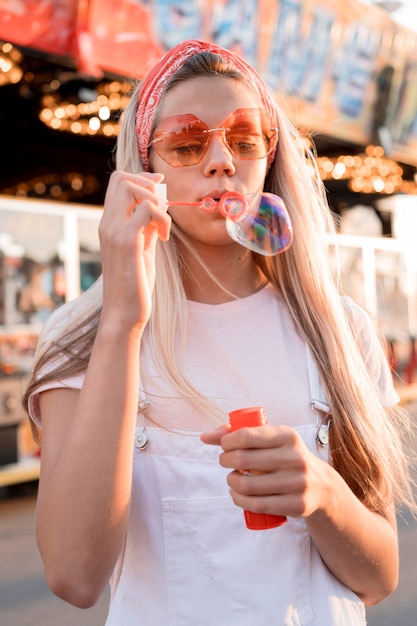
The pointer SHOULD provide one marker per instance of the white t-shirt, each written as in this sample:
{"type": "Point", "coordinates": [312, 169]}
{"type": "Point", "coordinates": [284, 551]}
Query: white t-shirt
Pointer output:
{"type": "Point", "coordinates": [245, 352]}
{"type": "Point", "coordinates": [189, 559]}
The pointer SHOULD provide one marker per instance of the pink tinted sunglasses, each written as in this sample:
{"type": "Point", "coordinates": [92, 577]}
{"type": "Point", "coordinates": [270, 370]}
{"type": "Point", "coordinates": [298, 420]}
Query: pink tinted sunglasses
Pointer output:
{"type": "Point", "coordinates": [183, 140]}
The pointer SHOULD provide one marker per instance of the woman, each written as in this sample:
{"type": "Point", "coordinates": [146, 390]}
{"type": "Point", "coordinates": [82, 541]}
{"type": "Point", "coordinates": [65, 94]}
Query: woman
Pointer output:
{"type": "Point", "coordinates": [185, 326]}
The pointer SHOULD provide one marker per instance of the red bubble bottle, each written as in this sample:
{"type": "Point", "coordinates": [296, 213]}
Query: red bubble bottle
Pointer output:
{"type": "Point", "coordinates": [242, 418]}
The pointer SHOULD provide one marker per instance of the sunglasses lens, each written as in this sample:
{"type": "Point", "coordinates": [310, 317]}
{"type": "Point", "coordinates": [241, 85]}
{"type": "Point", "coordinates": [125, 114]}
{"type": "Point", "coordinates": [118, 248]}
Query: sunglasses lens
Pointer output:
{"type": "Point", "coordinates": [183, 140]}
{"type": "Point", "coordinates": [249, 134]}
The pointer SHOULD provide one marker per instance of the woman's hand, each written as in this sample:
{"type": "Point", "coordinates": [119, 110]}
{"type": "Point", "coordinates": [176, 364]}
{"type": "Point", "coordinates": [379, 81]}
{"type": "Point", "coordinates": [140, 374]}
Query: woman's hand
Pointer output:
{"type": "Point", "coordinates": [285, 476]}
{"type": "Point", "coordinates": [359, 546]}
{"type": "Point", "coordinates": [132, 222]}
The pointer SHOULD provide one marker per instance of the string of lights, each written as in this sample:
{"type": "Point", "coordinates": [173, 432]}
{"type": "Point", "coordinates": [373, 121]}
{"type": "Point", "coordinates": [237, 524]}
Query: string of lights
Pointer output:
{"type": "Point", "coordinates": [68, 105]}
{"type": "Point", "coordinates": [65, 187]}
{"type": "Point", "coordinates": [369, 172]}
{"type": "Point", "coordinates": [10, 70]}
{"type": "Point", "coordinates": [99, 115]}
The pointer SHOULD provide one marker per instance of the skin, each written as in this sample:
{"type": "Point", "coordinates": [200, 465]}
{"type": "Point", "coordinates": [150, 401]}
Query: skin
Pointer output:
{"type": "Point", "coordinates": [84, 493]}
{"type": "Point", "coordinates": [219, 171]}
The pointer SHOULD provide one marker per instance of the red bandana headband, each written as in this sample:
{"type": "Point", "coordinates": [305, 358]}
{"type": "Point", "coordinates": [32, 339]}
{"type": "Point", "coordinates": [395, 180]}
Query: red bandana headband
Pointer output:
{"type": "Point", "coordinates": [154, 82]}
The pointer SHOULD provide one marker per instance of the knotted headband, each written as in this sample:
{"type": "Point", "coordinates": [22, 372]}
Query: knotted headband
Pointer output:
{"type": "Point", "coordinates": [154, 82]}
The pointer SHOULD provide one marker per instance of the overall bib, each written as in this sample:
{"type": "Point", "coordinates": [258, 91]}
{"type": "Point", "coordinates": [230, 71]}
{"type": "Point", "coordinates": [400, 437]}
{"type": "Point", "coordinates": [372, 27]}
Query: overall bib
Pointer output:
{"type": "Point", "coordinates": [189, 559]}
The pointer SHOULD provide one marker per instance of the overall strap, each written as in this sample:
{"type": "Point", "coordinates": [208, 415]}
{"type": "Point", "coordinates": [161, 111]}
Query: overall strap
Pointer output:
{"type": "Point", "coordinates": [319, 401]}
{"type": "Point", "coordinates": [317, 394]}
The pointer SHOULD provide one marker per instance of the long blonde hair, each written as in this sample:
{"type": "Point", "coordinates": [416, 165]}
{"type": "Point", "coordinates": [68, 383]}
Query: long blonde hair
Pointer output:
{"type": "Point", "coordinates": [367, 440]}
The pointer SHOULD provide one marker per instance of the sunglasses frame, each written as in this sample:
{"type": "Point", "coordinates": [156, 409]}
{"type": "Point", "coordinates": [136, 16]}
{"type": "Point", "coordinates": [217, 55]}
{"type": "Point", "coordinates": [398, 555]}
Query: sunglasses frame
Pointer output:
{"type": "Point", "coordinates": [273, 139]}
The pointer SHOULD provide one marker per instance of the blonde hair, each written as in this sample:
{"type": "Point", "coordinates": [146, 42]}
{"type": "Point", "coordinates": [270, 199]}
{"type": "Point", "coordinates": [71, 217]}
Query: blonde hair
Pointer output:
{"type": "Point", "coordinates": [367, 441]}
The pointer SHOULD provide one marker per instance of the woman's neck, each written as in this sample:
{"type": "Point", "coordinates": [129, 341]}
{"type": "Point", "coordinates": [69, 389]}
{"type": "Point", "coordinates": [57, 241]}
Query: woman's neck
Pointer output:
{"type": "Point", "coordinates": [225, 273]}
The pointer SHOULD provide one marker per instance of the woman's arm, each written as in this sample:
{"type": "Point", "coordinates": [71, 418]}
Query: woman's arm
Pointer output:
{"type": "Point", "coordinates": [87, 436]}
{"type": "Point", "coordinates": [86, 468]}
{"type": "Point", "coordinates": [357, 545]}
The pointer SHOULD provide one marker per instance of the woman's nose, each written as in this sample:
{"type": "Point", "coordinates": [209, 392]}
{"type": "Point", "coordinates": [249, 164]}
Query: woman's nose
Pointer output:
{"type": "Point", "coordinates": [219, 157]}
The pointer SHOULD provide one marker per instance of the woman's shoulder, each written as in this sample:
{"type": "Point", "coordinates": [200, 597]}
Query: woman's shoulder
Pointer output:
{"type": "Point", "coordinates": [372, 345]}
{"type": "Point", "coordinates": [353, 306]}
{"type": "Point", "coordinates": [364, 322]}
{"type": "Point", "coordinates": [74, 382]}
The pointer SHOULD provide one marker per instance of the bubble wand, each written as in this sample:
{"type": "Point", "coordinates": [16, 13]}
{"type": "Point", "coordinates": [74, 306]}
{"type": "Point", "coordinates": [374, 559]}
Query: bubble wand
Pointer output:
{"type": "Point", "coordinates": [259, 221]}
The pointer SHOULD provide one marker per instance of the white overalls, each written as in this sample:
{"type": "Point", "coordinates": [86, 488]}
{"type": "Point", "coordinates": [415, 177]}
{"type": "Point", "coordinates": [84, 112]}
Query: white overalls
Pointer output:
{"type": "Point", "coordinates": [189, 559]}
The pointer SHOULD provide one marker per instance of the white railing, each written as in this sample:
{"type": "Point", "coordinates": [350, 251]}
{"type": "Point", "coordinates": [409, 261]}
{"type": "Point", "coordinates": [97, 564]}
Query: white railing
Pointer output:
{"type": "Point", "coordinates": [378, 272]}
{"type": "Point", "coordinates": [381, 274]}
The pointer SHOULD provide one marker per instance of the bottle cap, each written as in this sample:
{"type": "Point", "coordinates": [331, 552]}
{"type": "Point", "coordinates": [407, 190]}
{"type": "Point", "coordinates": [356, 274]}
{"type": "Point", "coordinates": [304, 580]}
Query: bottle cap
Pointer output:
{"type": "Point", "coordinates": [251, 416]}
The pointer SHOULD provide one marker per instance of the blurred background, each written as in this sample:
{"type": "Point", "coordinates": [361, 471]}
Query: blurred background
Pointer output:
{"type": "Point", "coordinates": [345, 72]}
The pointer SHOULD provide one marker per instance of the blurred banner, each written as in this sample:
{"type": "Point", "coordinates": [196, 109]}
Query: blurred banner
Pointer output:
{"type": "Point", "coordinates": [46, 26]}
{"type": "Point", "coordinates": [343, 69]}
